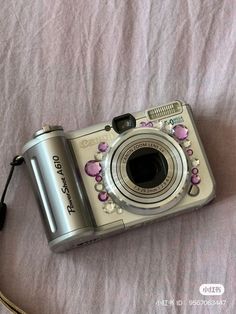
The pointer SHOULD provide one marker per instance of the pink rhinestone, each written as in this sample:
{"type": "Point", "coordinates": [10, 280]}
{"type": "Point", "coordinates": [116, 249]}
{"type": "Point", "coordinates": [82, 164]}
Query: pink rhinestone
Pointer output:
{"type": "Point", "coordinates": [190, 152]}
{"type": "Point", "coordinates": [194, 171]}
{"type": "Point", "coordinates": [103, 196]}
{"type": "Point", "coordinates": [93, 168]}
{"type": "Point", "coordinates": [102, 147]}
{"type": "Point", "coordinates": [181, 132]}
{"type": "Point", "coordinates": [98, 178]}
{"type": "Point", "coordinates": [195, 179]}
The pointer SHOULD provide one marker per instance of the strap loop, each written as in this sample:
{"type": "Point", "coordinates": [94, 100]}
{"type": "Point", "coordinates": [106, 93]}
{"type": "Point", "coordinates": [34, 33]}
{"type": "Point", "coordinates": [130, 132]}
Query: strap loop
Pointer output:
{"type": "Point", "coordinates": [17, 161]}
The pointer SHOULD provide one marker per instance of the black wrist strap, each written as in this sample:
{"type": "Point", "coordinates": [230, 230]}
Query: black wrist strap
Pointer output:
{"type": "Point", "coordinates": [17, 160]}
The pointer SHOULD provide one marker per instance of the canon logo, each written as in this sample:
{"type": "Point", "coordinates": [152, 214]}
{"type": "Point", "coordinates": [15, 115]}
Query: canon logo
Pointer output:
{"type": "Point", "coordinates": [211, 289]}
{"type": "Point", "coordinates": [96, 140]}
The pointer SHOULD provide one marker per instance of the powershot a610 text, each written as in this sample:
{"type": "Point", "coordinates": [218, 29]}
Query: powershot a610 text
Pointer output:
{"type": "Point", "coordinates": [114, 176]}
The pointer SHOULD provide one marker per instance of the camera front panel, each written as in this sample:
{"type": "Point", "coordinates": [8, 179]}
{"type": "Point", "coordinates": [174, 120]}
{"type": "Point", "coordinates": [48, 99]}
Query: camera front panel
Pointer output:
{"type": "Point", "coordinates": [108, 162]}
{"type": "Point", "coordinates": [122, 174]}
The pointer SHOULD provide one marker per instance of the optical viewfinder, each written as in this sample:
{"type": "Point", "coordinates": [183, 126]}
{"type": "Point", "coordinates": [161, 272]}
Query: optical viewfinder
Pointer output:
{"type": "Point", "coordinates": [123, 123]}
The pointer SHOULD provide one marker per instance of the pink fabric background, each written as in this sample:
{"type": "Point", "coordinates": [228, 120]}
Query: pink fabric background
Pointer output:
{"type": "Point", "coordinates": [77, 63]}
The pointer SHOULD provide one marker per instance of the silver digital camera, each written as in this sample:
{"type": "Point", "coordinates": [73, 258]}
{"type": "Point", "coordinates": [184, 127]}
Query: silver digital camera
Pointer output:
{"type": "Point", "coordinates": [114, 176]}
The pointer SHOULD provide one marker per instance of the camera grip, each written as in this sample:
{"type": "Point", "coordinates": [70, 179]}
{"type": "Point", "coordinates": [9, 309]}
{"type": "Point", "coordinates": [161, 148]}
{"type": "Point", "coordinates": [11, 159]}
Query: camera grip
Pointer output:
{"type": "Point", "coordinates": [59, 190]}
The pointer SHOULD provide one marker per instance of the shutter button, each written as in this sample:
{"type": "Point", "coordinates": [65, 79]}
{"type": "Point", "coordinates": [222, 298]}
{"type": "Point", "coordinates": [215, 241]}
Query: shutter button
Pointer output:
{"type": "Point", "coordinates": [48, 129]}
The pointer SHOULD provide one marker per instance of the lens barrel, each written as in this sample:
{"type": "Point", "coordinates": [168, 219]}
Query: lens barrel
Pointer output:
{"type": "Point", "coordinates": [145, 171]}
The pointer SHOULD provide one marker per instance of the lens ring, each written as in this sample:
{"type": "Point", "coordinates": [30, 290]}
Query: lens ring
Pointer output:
{"type": "Point", "coordinates": [144, 192]}
{"type": "Point", "coordinates": [118, 180]}
{"type": "Point", "coordinates": [115, 179]}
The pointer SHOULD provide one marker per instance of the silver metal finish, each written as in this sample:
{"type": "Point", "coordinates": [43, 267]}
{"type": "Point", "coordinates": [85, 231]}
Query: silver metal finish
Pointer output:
{"type": "Point", "coordinates": [44, 198]}
{"type": "Point", "coordinates": [58, 187]}
{"type": "Point", "coordinates": [72, 211]}
{"type": "Point", "coordinates": [47, 129]}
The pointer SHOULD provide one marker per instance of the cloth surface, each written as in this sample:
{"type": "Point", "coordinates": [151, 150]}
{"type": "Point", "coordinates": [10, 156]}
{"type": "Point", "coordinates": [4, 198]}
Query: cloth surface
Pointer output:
{"type": "Point", "coordinates": [77, 63]}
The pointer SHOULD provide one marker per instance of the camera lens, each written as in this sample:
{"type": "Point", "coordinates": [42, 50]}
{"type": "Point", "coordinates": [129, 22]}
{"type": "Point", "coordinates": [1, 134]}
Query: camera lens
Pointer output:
{"type": "Point", "coordinates": [146, 171]}
{"type": "Point", "coordinates": [147, 167]}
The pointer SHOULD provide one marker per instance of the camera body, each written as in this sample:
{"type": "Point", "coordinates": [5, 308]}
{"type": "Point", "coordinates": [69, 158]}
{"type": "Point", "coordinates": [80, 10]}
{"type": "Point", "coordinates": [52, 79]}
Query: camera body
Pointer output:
{"type": "Point", "coordinates": [114, 176]}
